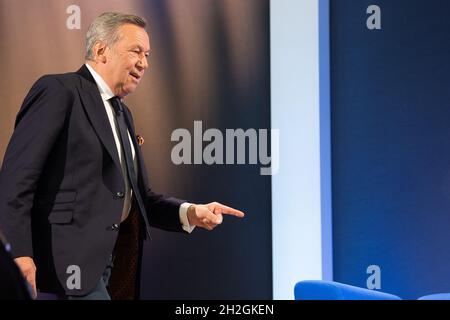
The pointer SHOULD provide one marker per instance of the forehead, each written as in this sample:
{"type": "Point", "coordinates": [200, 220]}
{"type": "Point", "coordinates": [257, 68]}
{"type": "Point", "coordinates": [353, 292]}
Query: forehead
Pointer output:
{"type": "Point", "coordinates": [132, 35]}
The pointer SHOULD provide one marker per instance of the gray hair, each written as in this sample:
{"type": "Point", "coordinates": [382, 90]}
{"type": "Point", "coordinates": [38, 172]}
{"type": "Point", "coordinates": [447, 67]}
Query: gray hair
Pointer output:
{"type": "Point", "coordinates": [105, 28]}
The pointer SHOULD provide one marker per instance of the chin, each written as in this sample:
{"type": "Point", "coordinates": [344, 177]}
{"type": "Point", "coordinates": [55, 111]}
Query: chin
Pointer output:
{"type": "Point", "coordinates": [129, 90]}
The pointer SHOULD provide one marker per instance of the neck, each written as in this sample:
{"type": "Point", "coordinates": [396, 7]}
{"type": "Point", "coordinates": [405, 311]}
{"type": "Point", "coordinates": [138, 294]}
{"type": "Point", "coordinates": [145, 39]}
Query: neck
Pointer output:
{"type": "Point", "coordinates": [98, 67]}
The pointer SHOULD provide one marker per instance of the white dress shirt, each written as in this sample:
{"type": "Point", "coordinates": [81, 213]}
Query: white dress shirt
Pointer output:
{"type": "Point", "coordinates": [106, 94]}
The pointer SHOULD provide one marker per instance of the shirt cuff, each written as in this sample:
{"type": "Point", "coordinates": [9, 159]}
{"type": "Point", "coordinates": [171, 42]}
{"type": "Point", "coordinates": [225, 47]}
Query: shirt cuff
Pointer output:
{"type": "Point", "coordinates": [183, 217]}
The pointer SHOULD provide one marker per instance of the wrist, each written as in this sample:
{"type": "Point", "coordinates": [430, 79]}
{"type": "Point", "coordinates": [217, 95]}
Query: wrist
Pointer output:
{"type": "Point", "coordinates": [191, 215]}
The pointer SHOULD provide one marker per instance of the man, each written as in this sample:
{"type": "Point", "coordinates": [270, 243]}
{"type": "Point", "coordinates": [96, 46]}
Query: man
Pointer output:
{"type": "Point", "coordinates": [74, 197]}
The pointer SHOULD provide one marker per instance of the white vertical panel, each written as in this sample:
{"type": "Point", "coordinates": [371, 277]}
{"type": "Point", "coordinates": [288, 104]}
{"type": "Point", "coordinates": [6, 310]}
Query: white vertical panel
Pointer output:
{"type": "Point", "coordinates": [295, 110]}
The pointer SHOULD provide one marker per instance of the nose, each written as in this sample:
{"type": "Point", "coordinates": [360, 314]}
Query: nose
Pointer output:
{"type": "Point", "coordinates": [142, 63]}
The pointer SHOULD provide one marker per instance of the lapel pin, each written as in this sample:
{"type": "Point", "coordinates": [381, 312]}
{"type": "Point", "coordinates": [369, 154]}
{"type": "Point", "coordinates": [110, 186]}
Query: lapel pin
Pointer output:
{"type": "Point", "coordinates": [140, 140]}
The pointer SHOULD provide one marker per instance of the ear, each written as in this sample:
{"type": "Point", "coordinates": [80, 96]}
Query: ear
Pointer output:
{"type": "Point", "coordinates": [99, 51]}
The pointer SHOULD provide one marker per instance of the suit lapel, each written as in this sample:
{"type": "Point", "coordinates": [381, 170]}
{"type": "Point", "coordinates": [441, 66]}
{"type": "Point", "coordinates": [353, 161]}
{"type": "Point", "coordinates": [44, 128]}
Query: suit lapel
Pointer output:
{"type": "Point", "coordinates": [95, 109]}
{"type": "Point", "coordinates": [140, 160]}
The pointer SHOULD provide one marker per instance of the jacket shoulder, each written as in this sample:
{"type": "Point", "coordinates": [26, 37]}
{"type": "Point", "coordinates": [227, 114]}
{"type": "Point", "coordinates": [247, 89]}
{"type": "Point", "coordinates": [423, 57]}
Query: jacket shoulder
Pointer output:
{"type": "Point", "coordinates": [65, 80]}
{"type": "Point", "coordinates": [54, 91]}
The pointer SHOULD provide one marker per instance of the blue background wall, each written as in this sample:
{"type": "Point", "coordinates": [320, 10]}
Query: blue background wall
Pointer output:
{"type": "Point", "coordinates": [390, 92]}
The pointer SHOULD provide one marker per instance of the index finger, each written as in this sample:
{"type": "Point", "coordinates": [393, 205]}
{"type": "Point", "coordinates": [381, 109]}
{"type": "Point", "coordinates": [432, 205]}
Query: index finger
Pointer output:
{"type": "Point", "coordinates": [230, 211]}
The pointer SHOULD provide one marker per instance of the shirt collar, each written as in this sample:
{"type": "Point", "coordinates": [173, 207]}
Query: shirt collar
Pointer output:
{"type": "Point", "coordinates": [105, 90]}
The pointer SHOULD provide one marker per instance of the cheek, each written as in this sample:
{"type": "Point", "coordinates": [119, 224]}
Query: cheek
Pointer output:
{"type": "Point", "coordinates": [127, 68]}
{"type": "Point", "coordinates": [125, 75]}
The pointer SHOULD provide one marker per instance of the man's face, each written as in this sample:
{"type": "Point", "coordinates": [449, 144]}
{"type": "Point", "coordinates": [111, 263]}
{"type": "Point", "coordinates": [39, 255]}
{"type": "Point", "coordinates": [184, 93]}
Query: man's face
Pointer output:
{"type": "Point", "coordinates": [126, 60]}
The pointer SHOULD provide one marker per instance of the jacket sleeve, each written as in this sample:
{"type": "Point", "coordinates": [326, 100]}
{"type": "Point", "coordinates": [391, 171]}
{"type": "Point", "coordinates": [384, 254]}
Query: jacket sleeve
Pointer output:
{"type": "Point", "coordinates": [38, 124]}
{"type": "Point", "coordinates": [163, 212]}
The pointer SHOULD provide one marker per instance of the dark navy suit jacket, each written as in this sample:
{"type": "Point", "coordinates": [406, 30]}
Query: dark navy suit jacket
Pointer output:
{"type": "Point", "coordinates": [61, 184]}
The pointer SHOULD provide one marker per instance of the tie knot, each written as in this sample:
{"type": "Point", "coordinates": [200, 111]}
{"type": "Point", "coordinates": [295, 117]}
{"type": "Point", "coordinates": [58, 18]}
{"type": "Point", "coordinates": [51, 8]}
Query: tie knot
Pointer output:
{"type": "Point", "coordinates": [117, 105]}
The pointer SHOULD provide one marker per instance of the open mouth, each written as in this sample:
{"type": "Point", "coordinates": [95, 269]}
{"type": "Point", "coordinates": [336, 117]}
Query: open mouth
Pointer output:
{"type": "Point", "coordinates": [135, 75]}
